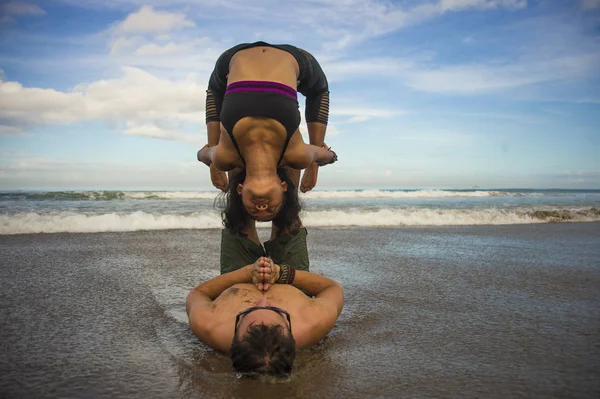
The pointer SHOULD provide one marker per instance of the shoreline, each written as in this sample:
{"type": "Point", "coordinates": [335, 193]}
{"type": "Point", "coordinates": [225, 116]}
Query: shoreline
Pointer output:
{"type": "Point", "coordinates": [318, 228]}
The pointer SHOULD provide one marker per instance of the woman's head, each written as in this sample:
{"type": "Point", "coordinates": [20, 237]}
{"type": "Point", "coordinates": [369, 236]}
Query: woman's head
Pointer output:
{"type": "Point", "coordinates": [273, 199]}
{"type": "Point", "coordinates": [262, 198]}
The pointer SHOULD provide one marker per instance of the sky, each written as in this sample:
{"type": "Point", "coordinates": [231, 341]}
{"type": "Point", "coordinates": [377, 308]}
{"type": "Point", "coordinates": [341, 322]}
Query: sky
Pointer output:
{"type": "Point", "coordinates": [424, 94]}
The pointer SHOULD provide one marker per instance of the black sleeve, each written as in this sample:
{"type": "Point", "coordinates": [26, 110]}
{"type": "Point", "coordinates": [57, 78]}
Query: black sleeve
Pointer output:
{"type": "Point", "coordinates": [217, 84]}
{"type": "Point", "coordinates": [313, 85]}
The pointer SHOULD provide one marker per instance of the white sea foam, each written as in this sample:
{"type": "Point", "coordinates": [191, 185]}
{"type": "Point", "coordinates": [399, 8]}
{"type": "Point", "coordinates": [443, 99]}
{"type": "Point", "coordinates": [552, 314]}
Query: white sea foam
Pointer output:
{"type": "Point", "coordinates": [332, 194]}
{"type": "Point", "coordinates": [411, 194]}
{"type": "Point", "coordinates": [416, 217]}
{"type": "Point", "coordinates": [170, 195]}
{"type": "Point", "coordinates": [108, 195]}
{"type": "Point", "coordinates": [79, 223]}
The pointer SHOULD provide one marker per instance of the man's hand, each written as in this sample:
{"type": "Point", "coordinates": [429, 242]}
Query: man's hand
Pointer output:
{"type": "Point", "coordinates": [309, 178]}
{"type": "Point", "coordinates": [218, 178]}
{"type": "Point", "coordinates": [264, 273]}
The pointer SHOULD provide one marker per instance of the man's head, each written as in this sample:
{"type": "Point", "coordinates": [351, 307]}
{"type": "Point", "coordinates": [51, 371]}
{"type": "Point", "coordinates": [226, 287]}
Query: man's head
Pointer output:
{"type": "Point", "coordinates": [263, 342]}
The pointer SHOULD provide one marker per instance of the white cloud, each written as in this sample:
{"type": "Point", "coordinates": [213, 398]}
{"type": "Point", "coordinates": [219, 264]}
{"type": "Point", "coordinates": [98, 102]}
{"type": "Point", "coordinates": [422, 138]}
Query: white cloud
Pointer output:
{"type": "Point", "coordinates": [425, 75]}
{"type": "Point", "coordinates": [125, 45]}
{"type": "Point", "coordinates": [146, 20]}
{"type": "Point", "coordinates": [359, 119]}
{"type": "Point", "coordinates": [359, 114]}
{"type": "Point", "coordinates": [590, 4]}
{"type": "Point", "coordinates": [138, 98]}
{"type": "Point", "coordinates": [18, 8]}
{"type": "Point", "coordinates": [155, 50]}
{"type": "Point", "coordinates": [10, 131]}
{"type": "Point", "coordinates": [336, 24]}
{"type": "Point", "coordinates": [457, 5]}
{"type": "Point", "coordinates": [161, 133]}
{"type": "Point", "coordinates": [29, 171]}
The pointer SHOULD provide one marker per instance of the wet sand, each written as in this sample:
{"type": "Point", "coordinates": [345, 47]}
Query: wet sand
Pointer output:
{"type": "Point", "coordinates": [444, 312]}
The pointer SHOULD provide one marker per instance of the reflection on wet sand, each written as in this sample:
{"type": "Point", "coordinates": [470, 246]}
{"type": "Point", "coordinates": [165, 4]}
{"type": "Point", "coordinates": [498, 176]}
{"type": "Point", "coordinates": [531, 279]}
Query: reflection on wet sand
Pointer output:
{"type": "Point", "coordinates": [495, 312]}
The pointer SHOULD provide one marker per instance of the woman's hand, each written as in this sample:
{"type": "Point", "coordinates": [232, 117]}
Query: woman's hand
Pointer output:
{"type": "Point", "coordinates": [264, 273]}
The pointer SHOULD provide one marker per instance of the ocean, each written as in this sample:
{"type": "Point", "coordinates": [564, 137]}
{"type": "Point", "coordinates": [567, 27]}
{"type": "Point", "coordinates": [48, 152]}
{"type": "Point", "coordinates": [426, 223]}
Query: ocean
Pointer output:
{"type": "Point", "coordinates": [25, 212]}
{"type": "Point", "coordinates": [448, 294]}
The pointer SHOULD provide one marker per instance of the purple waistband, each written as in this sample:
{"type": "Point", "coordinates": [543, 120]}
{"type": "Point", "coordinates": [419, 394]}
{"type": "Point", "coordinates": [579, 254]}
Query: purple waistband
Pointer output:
{"type": "Point", "coordinates": [261, 86]}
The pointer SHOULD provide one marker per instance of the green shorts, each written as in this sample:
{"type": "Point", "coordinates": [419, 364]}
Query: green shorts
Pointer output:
{"type": "Point", "coordinates": [237, 251]}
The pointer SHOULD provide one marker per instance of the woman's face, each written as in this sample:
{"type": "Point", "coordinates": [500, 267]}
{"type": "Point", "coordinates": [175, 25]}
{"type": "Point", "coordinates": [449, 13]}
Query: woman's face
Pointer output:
{"type": "Point", "coordinates": [262, 199]}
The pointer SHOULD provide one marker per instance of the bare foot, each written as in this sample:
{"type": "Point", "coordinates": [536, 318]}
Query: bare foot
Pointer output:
{"type": "Point", "coordinates": [309, 178]}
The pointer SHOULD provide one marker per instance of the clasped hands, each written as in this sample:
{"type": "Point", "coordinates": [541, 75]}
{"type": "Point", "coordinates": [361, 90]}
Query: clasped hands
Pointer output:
{"type": "Point", "coordinates": [264, 273]}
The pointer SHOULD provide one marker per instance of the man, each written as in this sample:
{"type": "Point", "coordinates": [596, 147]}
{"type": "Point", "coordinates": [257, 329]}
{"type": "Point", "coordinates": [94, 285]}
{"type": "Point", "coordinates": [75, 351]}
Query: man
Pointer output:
{"type": "Point", "coordinates": [260, 314]}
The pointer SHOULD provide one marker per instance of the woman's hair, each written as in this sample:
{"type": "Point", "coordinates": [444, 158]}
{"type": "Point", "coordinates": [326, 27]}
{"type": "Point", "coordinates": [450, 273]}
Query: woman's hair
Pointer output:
{"type": "Point", "coordinates": [236, 218]}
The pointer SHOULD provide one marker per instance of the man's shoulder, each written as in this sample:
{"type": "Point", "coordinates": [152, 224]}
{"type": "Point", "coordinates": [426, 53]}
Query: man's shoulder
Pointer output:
{"type": "Point", "coordinates": [211, 326]}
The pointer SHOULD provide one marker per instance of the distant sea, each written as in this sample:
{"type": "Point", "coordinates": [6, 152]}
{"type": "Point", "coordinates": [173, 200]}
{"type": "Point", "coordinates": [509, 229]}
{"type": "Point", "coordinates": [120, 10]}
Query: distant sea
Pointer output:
{"type": "Point", "coordinates": [24, 212]}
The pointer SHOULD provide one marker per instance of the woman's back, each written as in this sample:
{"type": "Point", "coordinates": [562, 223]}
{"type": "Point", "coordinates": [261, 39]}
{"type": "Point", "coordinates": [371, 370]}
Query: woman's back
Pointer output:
{"type": "Point", "coordinates": [264, 64]}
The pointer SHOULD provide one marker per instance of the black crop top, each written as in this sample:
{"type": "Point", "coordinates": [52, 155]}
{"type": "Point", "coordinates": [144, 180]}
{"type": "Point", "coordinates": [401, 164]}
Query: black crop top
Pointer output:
{"type": "Point", "coordinates": [312, 82]}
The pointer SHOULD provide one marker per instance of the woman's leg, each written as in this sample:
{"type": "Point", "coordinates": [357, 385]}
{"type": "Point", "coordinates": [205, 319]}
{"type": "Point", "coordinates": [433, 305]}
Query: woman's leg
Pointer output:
{"type": "Point", "coordinates": [238, 251]}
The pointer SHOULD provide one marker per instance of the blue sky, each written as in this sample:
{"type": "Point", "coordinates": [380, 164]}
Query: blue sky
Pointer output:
{"type": "Point", "coordinates": [424, 94]}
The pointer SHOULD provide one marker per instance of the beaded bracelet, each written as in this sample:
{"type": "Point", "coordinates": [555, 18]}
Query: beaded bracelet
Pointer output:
{"type": "Point", "coordinates": [286, 274]}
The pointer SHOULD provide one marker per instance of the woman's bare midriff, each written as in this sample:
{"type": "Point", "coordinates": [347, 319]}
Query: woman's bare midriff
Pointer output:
{"type": "Point", "coordinates": [262, 64]}
{"type": "Point", "coordinates": [266, 64]}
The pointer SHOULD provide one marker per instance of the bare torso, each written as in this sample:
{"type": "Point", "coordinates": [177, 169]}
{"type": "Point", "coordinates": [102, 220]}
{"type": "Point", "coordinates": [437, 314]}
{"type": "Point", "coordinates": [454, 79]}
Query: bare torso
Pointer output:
{"type": "Point", "coordinates": [303, 310]}
{"type": "Point", "coordinates": [262, 64]}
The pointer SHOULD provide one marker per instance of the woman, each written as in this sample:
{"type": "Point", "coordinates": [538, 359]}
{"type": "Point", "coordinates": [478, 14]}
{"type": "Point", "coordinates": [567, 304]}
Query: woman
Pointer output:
{"type": "Point", "coordinates": [252, 122]}
{"type": "Point", "coordinates": [240, 243]}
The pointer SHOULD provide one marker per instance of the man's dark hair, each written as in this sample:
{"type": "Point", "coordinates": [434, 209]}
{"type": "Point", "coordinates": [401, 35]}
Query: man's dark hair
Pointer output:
{"type": "Point", "coordinates": [236, 218]}
{"type": "Point", "coordinates": [265, 350]}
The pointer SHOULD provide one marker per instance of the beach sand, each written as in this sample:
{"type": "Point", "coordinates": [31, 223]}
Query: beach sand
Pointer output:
{"type": "Point", "coordinates": [430, 312]}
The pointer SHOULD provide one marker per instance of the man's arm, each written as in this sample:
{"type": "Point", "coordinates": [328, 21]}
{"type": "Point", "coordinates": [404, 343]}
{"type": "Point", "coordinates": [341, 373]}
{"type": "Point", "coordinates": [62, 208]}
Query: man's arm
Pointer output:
{"type": "Point", "coordinates": [328, 301]}
{"type": "Point", "coordinates": [209, 290]}
{"type": "Point", "coordinates": [322, 288]}
{"type": "Point", "coordinates": [324, 309]}
{"type": "Point", "coordinates": [201, 310]}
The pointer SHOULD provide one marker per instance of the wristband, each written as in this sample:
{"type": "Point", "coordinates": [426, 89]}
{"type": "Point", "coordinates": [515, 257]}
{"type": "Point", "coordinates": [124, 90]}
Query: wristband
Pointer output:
{"type": "Point", "coordinates": [286, 274]}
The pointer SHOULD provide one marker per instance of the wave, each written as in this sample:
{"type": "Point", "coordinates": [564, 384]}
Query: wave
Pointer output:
{"type": "Point", "coordinates": [114, 195]}
{"type": "Point", "coordinates": [69, 222]}
{"type": "Point", "coordinates": [107, 195]}
{"type": "Point", "coordinates": [63, 222]}
{"type": "Point", "coordinates": [402, 194]}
